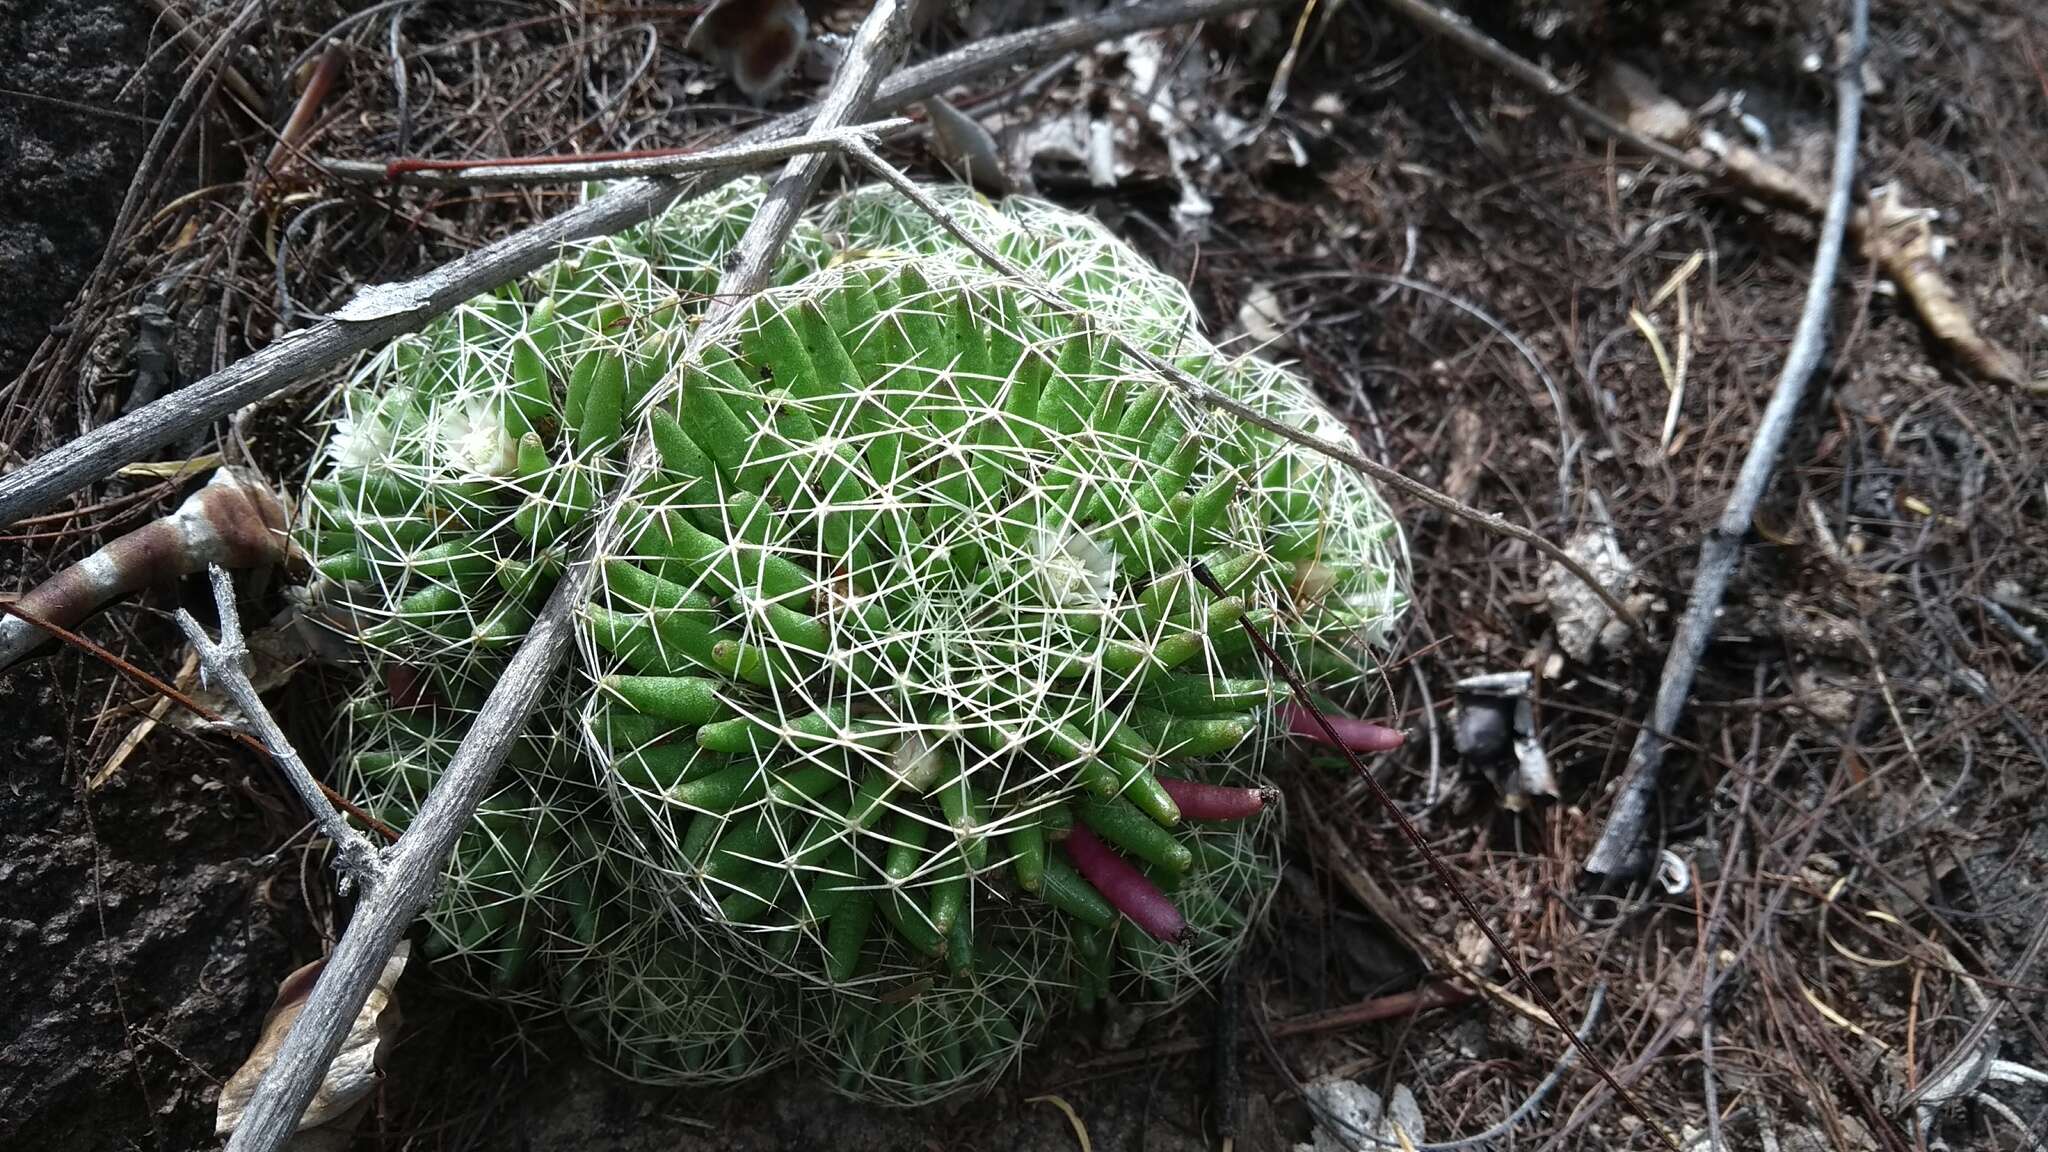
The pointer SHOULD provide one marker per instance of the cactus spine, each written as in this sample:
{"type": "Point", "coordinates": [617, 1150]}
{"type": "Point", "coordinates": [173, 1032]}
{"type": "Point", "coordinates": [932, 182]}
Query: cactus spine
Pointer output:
{"type": "Point", "coordinates": [898, 607]}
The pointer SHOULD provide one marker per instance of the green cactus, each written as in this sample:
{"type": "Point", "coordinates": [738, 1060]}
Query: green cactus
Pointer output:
{"type": "Point", "coordinates": [899, 598]}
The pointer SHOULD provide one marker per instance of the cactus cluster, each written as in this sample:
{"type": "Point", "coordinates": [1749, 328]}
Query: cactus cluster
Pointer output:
{"type": "Point", "coordinates": [895, 668]}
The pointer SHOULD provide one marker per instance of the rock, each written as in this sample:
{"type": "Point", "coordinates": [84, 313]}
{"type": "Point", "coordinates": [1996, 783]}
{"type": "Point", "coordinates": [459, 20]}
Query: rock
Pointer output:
{"type": "Point", "coordinates": [1354, 1106]}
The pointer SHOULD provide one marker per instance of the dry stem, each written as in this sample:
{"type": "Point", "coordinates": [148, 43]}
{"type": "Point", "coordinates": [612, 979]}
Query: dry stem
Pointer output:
{"type": "Point", "coordinates": [224, 663]}
{"type": "Point", "coordinates": [1616, 852]}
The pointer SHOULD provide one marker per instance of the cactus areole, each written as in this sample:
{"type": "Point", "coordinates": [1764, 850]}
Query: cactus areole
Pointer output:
{"type": "Point", "coordinates": [895, 668]}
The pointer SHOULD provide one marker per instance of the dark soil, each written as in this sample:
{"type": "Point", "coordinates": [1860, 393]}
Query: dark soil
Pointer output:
{"type": "Point", "coordinates": [144, 925]}
{"type": "Point", "coordinates": [142, 928]}
{"type": "Point", "coordinates": [65, 159]}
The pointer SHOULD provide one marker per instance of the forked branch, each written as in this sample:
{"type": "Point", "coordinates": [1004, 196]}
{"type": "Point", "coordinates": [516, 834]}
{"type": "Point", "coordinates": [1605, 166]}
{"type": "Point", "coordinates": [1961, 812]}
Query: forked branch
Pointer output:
{"type": "Point", "coordinates": [225, 663]}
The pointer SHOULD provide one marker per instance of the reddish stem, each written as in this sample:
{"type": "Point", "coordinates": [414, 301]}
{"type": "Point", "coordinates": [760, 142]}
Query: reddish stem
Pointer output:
{"type": "Point", "coordinates": [1124, 887]}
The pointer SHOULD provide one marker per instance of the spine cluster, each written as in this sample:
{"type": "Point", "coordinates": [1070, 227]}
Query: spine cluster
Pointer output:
{"type": "Point", "coordinates": [899, 725]}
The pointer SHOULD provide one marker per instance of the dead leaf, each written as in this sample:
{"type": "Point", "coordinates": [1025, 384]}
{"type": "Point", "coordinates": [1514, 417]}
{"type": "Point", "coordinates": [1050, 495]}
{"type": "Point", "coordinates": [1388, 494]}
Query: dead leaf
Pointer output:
{"type": "Point", "coordinates": [1579, 614]}
{"type": "Point", "coordinates": [356, 1068]}
{"type": "Point", "coordinates": [966, 148]}
{"type": "Point", "coordinates": [1469, 445]}
{"type": "Point", "coordinates": [1262, 318]}
{"type": "Point", "coordinates": [1357, 1109]}
{"type": "Point", "coordinates": [275, 653]}
{"type": "Point", "coordinates": [169, 469]}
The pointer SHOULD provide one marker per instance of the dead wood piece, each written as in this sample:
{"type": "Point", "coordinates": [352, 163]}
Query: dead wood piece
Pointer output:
{"type": "Point", "coordinates": [234, 521]}
{"type": "Point", "coordinates": [1901, 242]}
{"type": "Point", "coordinates": [1898, 239]}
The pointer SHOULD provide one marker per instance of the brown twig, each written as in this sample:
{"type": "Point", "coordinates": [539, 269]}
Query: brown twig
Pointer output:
{"type": "Point", "coordinates": [230, 77]}
{"type": "Point", "coordinates": [317, 88]}
{"type": "Point", "coordinates": [234, 520]}
{"type": "Point", "coordinates": [1441, 994]}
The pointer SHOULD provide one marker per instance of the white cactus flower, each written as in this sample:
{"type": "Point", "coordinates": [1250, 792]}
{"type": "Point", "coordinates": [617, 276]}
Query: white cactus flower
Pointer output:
{"type": "Point", "coordinates": [1073, 570]}
{"type": "Point", "coordinates": [472, 438]}
{"type": "Point", "coordinates": [362, 441]}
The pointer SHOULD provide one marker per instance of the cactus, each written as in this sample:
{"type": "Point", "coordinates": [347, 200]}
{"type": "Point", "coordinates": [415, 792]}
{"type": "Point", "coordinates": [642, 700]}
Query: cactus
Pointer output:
{"type": "Point", "coordinates": [893, 641]}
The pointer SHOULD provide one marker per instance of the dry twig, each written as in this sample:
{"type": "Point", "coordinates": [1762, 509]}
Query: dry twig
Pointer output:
{"type": "Point", "coordinates": [1616, 852]}
{"type": "Point", "coordinates": [572, 169]}
{"type": "Point", "coordinates": [225, 663]}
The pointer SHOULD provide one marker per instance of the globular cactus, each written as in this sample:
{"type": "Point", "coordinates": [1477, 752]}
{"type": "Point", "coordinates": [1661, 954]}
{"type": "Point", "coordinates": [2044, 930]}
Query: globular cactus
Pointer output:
{"type": "Point", "coordinates": [896, 664]}
{"type": "Point", "coordinates": [653, 1001]}
{"type": "Point", "coordinates": [521, 873]}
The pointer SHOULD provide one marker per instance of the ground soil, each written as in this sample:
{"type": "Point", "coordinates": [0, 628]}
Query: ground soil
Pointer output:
{"type": "Point", "coordinates": [144, 924]}
{"type": "Point", "coordinates": [141, 926]}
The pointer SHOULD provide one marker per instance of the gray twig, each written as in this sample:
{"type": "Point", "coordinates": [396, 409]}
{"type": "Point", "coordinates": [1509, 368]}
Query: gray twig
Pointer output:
{"type": "Point", "coordinates": [1616, 852]}
{"type": "Point", "coordinates": [43, 482]}
{"type": "Point", "coordinates": [224, 662]}
{"type": "Point", "coordinates": [485, 175]}
{"type": "Point", "coordinates": [1195, 390]}
{"type": "Point", "coordinates": [281, 1098]}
